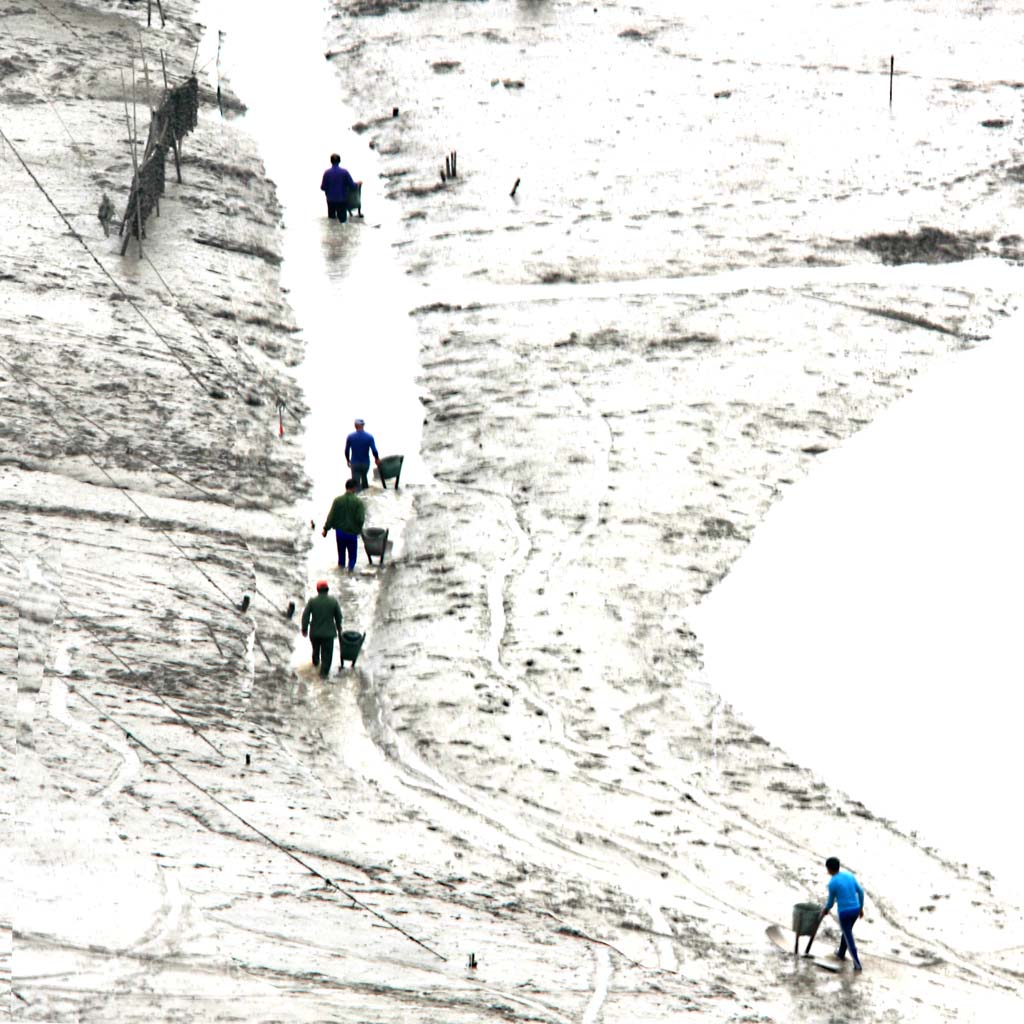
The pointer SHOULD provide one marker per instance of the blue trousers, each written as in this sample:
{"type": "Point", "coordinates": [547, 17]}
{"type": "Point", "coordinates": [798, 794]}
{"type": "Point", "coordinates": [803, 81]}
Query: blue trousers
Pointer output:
{"type": "Point", "coordinates": [347, 542]}
{"type": "Point", "coordinates": [847, 919]}
{"type": "Point", "coordinates": [360, 473]}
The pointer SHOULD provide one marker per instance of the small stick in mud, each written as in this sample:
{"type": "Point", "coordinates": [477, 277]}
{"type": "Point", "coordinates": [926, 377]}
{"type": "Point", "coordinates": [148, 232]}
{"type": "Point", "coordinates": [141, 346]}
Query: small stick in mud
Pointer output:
{"type": "Point", "coordinates": [447, 168]}
{"type": "Point", "coordinates": [455, 169]}
{"type": "Point", "coordinates": [514, 187]}
{"type": "Point", "coordinates": [892, 66]}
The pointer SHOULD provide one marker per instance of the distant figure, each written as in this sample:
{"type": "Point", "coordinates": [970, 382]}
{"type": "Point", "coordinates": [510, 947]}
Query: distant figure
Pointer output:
{"type": "Point", "coordinates": [336, 185]}
{"type": "Point", "coordinates": [346, 518]}
{"type": "Point", "coordinates": [105, 213]}
{"type": "Point", "coordinates": [358, 446]}
{"type": "Point", "coordinates": [846, 893]}
{"type": "Point", "coordinates": [321, 619]}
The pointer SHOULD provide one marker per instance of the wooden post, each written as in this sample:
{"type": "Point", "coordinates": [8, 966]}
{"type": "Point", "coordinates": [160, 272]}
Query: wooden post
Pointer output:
{"type": "Point", "coordinates": [220, 106]}
{"type": "Point", "coordinates": [135, 165]}
{"type": "Point", "coordinates": [149, 13]}
{"type": "Point", "coordinates": [514, 187]}
{"type": "Point", "coordinates": [892, 66]}
{"type": "Point", "coordinates": [160, 8]}
{"type": "Point", "coordinates": [174, 136]}
{"type": "Point", "coordinates": [455, 170]}
{"type": "Point", "coordinates": [448, 167]}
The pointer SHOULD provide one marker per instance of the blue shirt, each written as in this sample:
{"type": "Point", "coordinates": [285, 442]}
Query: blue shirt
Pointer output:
{"type": "Point", "coordinates": [845, 892]}
{"type": "Point", "coordinates": [358, 446]}
{"type": "Point", "coordinates": [337, 183]}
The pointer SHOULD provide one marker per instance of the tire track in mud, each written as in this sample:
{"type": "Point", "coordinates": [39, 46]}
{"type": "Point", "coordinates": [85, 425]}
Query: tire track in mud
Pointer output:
{"type": "Point", "coordinates": [603, 974]}
{"type": "Point", "coordinates": [410, 774]}
{"type": "Point", "coordinates": [376, 959]}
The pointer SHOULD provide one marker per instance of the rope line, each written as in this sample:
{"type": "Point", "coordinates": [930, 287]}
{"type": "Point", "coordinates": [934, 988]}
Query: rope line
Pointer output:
{"type": "Point", "coordinates": [103, 430]}
{"type": "Point", "coordinates": [170, 540]}
{"type": "Point", "coordinates": [106, 273]}
{"type": "Point", "coordinates": [250, 364]}
{"type": "Point", "coordinates": [110, 650]}
{"type": "Point", "coordinates": [248, 824]}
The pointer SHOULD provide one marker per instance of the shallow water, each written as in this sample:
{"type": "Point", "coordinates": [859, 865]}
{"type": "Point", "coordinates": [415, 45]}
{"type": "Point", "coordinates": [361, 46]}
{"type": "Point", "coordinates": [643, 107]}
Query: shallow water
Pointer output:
{"type": "Point", "coordinates": [872, 627]}
{"type": "Point", "coordinates": [348, 295]}
{"type": "Point", "coordinates": [709, 219]}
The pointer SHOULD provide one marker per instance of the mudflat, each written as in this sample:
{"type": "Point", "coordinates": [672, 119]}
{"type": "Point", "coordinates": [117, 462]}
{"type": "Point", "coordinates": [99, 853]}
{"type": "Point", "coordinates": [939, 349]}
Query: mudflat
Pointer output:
{"type": "Point", "coordinates": [529, 764]}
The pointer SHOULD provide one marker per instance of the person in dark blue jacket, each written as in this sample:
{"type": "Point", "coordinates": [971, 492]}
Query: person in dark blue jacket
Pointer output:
{"type": "Point", "coordinates": [358, 446]}
{"type": "Point", "coordinates": [337, 183]}
{"type": "Point", "coordinates": [848, 896]}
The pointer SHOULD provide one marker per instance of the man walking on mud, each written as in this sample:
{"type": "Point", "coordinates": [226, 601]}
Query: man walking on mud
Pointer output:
{"type": "Point", "coordinates": [846, 893]}
{"type": "Point", "coordinates": [346, 518]}
{"type": "Point", "coordinates": [321, 619]}
{"type": "Point", "coordinates": [358, 446]}
{"type": "Point", "coordinates": [336, 184]}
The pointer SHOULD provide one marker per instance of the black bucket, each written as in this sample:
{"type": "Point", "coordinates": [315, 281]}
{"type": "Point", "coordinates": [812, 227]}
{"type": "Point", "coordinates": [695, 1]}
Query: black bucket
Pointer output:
{"type": "Point", "coordinates": [390, 468]}
{"type": "Point", "coordinates": [351, 645]}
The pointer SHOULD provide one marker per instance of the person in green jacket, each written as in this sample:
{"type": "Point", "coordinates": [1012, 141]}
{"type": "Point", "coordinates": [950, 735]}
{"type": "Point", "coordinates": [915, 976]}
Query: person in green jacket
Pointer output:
{"type": "Point", "coordinates": [321, 620]}
{"type": "Point", "coordinates": [346, 518]}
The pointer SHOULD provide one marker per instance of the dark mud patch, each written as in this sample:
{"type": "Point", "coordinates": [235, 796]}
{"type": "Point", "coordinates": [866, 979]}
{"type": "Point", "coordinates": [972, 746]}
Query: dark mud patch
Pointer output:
{"type": "Point", "coordinates": [219, 170]}
{"type": "Point", "coordinates": [419, 191]}
{"type": "Point", "coordinates": [244, 248]}
{"type": "Point", "coordinates": [558, 277]}
{"type": "Point", "coordinates": [681, 341]}
{"type": "Point", "coordinates": [636, 35]}
{"type": "Point", "coordinates": [909, 318]}
{"type": "Point", "coordinates": [929, 245]}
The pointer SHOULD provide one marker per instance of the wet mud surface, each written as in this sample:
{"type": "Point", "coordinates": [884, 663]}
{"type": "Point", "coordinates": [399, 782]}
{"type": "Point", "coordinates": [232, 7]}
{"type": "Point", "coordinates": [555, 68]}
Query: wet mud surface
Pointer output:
{"type": "Point", "coordinates": [529, 764]}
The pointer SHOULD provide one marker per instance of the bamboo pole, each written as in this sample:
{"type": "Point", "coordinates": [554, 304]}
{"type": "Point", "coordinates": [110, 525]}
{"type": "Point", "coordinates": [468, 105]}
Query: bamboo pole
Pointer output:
{"type": "Point", "coordinates": [135, 163]}
{"type": "Point", "coordinates": [174, 135]}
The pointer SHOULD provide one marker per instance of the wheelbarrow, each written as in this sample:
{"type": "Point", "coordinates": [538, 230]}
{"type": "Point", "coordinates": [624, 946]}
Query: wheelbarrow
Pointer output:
{"type": "Point", "coordinates": [375, 542]}
{"type": "Point", "coordinates": [806, 918]}
{"type": "Point", "coordinates": [354, 200]}
{"type": "Point", "coordinates": [390, 468]}
{"type": "Point", "coordinates": [351, 645]}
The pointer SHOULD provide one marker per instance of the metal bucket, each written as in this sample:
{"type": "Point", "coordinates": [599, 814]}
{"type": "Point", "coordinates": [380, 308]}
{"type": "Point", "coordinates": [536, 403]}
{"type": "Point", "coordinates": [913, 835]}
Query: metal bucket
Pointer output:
{"type": "Point", "coordinates": [375, 543]}
{"type": "Point", "coordinates": [351, 644]}
{"type": "Point", "coordinates": [805, 918]}
{"type": "Point", "coordinates": [390, 468]}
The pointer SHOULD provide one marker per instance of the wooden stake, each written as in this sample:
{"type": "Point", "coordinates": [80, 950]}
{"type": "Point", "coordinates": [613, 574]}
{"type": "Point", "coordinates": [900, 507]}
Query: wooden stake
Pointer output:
{"type": "Point", "coordinates": [448, 167]}
{"type": "Point", "coordinates": [892, 67]}
{"type": "Point", "coordinates": [135, 166]}
{"type": "Point", "coordinates": [514, 187]}
{"type": "Point", "coordinates": [174, 137]}
{"type": "Point", "coordinates": [160, 8]}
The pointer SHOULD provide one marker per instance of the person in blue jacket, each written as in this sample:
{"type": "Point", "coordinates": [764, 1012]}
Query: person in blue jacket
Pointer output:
{"type": "Point", "coordinates": [846, 893]}
{"type": "Point", "coordinates": [336, 185]}
{"type": "Point", "coordinates": [358, 446]}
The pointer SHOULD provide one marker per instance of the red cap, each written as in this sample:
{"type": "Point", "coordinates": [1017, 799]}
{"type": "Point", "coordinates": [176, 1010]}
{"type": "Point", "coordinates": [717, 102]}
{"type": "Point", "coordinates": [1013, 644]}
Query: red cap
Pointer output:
{"type": "Point", "coordinates": [321, 584]}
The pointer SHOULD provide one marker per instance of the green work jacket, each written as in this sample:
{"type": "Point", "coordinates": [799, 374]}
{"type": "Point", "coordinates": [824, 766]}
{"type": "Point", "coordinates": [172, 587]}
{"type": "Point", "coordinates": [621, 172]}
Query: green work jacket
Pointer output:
{"type": "Point", "coordinates": [325, 614]}
{"type": "Point", "coordinates": [347, 514]}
